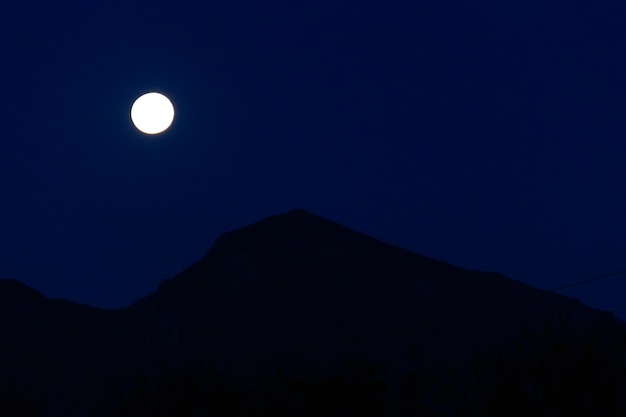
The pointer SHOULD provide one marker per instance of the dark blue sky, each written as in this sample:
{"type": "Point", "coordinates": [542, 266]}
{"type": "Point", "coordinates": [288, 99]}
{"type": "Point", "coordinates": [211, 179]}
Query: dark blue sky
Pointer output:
{"type": "Point", "coordinates": [486, 134]}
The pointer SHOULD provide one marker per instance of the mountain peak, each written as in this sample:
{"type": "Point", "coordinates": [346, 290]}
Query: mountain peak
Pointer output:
{"type": "Point", "coordinates": [296, 218]}
{"type": "Point", "coordinates": [291, 281]}
{"type": "Point", "coordinates": [297, 227]}
{"type": "Point", "coordinates": [297, 249]}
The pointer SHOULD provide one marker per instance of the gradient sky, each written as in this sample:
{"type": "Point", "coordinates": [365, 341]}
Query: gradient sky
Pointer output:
{"type": "Point", "coordinates": [487, 134]}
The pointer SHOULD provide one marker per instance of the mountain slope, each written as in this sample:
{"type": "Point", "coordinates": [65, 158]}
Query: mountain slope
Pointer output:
{"type": "Point", "coordinates": [292, 285]}
{"type": "Point", "coordinates": [302, 285]}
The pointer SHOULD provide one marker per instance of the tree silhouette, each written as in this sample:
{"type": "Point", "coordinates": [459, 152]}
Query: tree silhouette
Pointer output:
{"type": "Point", "coordinates": [559, 370]}
{"type": "Point", "coordinates": [16, 400]}
{"type": "Point", "coordinates": [187, 391]}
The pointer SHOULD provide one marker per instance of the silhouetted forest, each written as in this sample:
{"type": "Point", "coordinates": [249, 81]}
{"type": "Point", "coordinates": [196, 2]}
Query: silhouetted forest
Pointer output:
{"type": "Point", "coordinates": [559, 370]}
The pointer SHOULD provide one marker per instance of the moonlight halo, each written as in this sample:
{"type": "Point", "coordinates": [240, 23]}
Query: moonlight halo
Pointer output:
{"type": "Point", "coordinates": [152, 113]}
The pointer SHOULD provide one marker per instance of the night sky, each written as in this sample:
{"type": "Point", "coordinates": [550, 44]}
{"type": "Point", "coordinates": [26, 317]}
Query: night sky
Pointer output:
{"type": "Point", "coordinates": [487, 134]}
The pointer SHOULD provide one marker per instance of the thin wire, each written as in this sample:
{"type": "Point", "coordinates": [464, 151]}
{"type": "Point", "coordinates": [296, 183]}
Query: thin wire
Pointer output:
{"type": "Point", "coordinates": [573, 284]}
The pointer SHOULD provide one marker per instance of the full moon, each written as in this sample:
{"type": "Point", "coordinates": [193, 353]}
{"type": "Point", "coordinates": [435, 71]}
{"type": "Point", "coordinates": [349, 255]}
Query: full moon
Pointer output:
{"type": "Point", "coordinates": [152, 113]}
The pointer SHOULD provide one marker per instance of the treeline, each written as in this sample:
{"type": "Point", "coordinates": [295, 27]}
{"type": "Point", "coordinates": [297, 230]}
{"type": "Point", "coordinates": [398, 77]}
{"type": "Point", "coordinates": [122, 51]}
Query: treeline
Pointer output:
{"type": "Point", "coordinates": [18, 400]}
{"type": "Point", "coordinates": [557, 370]}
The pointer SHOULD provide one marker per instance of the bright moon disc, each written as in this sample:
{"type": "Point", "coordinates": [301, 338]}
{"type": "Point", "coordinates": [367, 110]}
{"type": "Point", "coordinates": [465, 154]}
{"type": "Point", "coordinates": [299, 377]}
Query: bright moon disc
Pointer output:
{"type": "Point", "coordinates": [152, 113]}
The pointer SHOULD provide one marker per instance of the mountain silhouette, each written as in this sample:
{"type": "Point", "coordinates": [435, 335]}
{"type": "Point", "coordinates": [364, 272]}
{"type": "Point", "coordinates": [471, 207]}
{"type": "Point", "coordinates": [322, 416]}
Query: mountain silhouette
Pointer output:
{"type": "Point", "coordinates": [18, 300]}
{"type": "Point", "coordinates": [292, 285]}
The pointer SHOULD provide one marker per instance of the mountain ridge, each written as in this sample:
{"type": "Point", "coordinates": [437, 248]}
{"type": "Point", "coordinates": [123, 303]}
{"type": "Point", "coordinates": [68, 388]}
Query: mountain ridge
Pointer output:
{"type": "Point", "coordinates": [308, 256]}
{"type": "Point", "coordinates": [290, 285]}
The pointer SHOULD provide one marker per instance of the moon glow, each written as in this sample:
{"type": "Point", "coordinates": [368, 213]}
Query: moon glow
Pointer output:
{"type": "Point", "coordinates": [152, 113]}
